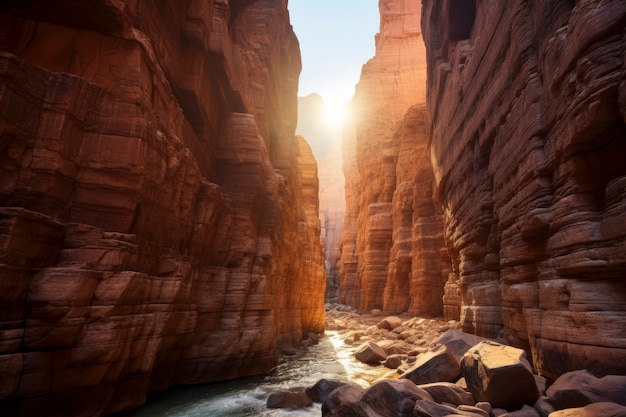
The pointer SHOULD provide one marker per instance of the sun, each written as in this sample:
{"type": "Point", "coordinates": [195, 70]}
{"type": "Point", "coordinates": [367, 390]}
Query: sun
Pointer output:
{"type": "Point", "coordinates": [335, 113]}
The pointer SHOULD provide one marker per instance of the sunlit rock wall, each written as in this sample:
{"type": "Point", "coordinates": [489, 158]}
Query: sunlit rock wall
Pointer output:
{"type": "Point", "coordinates": [325, 142]}
{"type": "Point", "coordinates": [155, 225]}
{"type": "Point", "coordinates": [332, 210]}
{"type": "Point", "coordinates": [392, 238]}
{"type": "Point", "coordinates": [526, 112]}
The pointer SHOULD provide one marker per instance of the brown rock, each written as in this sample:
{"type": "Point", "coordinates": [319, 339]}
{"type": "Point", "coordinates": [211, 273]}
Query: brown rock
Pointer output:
{"type": "Point", "coordinates": [525, 411]}
{"type": "Point", "coordinates": [579, 388]}
{"type": "Point", "coordinates": [370, 352]}
{"type": "Point", "coordinates": [288, 399]}
{"type": "Point", "coordinates": [393, 361]}
{"type": "Point", "coordinates": [322, 388]}
{"type": "Point", "coordinates": [436, 365]}
{"type": "Point", "coordinates": [346, 401]}
{"type": "Point", "coordinates": [499, 375]}
{"type": "Point", "coordinates": [458, 342]}
{"type": "Point", "coordinates": [393, 397]}
{"type": "Point", "coordinates": [390, 323]}
{"type": "Point", "coordinates": [445, 392]}
{"type": "Point", "coordinates": [426, 408]}
{"type": "Point", "coordinates": [601, 409]}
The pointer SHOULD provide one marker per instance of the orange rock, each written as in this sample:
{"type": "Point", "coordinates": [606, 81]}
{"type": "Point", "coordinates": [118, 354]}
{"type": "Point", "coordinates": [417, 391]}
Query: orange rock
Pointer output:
{"type": "Point", "coordinates": [392, 255]}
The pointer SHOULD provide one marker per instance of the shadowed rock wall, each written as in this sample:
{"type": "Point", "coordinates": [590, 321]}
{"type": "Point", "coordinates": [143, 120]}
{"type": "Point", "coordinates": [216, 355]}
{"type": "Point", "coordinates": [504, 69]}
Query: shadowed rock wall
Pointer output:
{"type": "Point", "coordinates": [155, 225]}
{"type": "Point", "coordinates": [392, 238]}
{"type": "Point", "coordinates": [526, 112]}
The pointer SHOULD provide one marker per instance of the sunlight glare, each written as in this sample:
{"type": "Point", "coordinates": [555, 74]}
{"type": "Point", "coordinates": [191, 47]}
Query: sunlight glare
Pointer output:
{"type": "Point", "coordinates": [335, 113]}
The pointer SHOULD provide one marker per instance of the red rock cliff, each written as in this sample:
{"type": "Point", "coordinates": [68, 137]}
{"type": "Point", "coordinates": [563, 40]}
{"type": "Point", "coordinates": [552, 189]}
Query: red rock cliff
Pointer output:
{"type": "Point", "coordinates": [527, 110]}
{"type": "Point", "coordinates": [392, 239]}
{"type": "Point", "coordinates": [155, 225]}
{"type": "Point", "coordinates": [326, 144]}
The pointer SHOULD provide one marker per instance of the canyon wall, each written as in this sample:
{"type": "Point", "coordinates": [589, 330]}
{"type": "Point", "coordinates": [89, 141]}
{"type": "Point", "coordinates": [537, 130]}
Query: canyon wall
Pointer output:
{"type": "Point", "coordinates": [527, 119]}
{"type": "Point", "coordinates": [392, 248]}
{"type": "Point", "coordinates": [326, 144]}
{"type": "Point", "coordinates": [158, 217]}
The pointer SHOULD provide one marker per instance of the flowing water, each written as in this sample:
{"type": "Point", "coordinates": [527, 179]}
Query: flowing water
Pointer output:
{"type": "Point", "coordinates": [247, 397]}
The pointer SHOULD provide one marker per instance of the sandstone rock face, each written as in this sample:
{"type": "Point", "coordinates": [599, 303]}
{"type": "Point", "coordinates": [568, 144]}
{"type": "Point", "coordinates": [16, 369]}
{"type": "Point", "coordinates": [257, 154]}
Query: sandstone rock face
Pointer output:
{"type": "Point", "coordinates": [526, 114]}
{"type": "Point", "coordinates": [156, 226]}
{"type": "Point", "coordinates": [332, 210]}
{"type": "Point", "coordinates": [326, 144]}
{"type": "Point", "coordinates": [392, 238]}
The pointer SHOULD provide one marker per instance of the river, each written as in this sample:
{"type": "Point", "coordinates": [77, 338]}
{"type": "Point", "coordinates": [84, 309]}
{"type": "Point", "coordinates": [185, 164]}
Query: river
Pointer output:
{"type": "Point", "coordinates": [329, 359]}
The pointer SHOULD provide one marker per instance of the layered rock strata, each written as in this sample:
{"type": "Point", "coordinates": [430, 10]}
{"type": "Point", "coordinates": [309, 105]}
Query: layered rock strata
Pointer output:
{"type": "Point", "coordinates": [326, 144]}
{"type": "Point", "coordinates": [526, 113]}
{"type": "Point", "coordinates": [392, 238]}
{"type": "Point", "coordinates": [156, 227]}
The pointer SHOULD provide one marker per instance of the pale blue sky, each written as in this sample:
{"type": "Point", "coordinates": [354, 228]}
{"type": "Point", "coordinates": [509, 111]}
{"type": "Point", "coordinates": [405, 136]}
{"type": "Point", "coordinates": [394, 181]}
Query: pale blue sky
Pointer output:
{"type": "Point", "coordinates": [336, 39]}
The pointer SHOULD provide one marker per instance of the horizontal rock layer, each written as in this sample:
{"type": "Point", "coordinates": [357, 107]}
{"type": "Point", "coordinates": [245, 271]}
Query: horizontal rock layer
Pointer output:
{"type": "Point", "coordinates": [158, 217]}
{"type": "Point", "coordinates": [392, 238]}
{"type": "Point", "coordinates": [526, 108]}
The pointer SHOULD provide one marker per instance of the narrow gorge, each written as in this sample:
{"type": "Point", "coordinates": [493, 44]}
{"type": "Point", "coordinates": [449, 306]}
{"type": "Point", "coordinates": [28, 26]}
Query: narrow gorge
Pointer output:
{"type": "Point", "coordinates": [168, 216]}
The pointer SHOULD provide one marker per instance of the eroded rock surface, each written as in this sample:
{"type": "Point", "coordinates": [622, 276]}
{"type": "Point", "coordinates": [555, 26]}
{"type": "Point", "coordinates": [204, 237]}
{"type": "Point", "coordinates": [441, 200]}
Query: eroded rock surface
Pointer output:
{"type": "Point", "coordinates": [392, 238]}
{"type": "Point", "coordinates": [526, 118]}
{"type": "Point", "coordinates": [158, 220]}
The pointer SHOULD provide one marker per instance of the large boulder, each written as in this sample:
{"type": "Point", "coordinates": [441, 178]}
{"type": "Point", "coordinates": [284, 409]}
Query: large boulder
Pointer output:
{"type": "Point", "coordinates": [394, 397]}
{"type": "Point", "coordinates": [389, 323]}
{"type": "Point", "coordinates": [446, 392]}
{"type": "Point", "coordinates": [370, 352]}
{"type": "Point", "coordinates": [288, 399]}
{"type": "Point", "coordinates": [500, 375]}
{"type": "Point", "coordinates": [525, 411]}
{"type": "Point", "coordinates": [426, 408]}
{"type": "Point", "coordinates": [319, 392]}
{"type": "Point", "coordinates": [602, 409]}
{"type": "Point", "coordinates": [459, 342]}
{"type": "Point", "coordinates": [579, 388]}
{"type": "Point", "coordinates": [346, 401]}
{"type": "Point", "coordinates": [436, 365]}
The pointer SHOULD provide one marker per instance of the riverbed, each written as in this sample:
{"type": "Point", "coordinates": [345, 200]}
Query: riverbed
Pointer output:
{"type": "Point", "coordinates": [246, 397]}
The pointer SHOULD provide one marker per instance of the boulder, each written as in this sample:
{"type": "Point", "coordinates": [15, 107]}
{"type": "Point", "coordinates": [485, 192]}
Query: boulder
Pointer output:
{"type": "Point", "coordinates": [579, 388]}
{"type": "Point", "coordinates": [395, 347]}
{"type": "Point", "coordinates": [370, 353]}
{"type": "Point", "coordinates": [389, 323]}
{"type": "Point", "coordinates": [436, 365]}
{"type": "Point", "coordinates": [346, 401]}
{"type": "Point", "coordinates": [459, 342]}
{"type": "Point", "coordinates": [446, 392]}
{"type": "Point", "coordinates": [393, 361]}
{"type": "Point", "coordinates": [500, 375]}
{"type": "Point", "coordinates": [394, 397]}
{"type": "Point", "coordinates": [601, 409]}
{"type": "Point", "coordinates": [319, 392]}
{"type": "Point", "coordinates": [525, 411]}
{"type": "Point", "coordinates": [288, 399]}
{"type": "Point", "coordinates": [544, 406]}
{"type": "Point", "coordinates": [426, 408]}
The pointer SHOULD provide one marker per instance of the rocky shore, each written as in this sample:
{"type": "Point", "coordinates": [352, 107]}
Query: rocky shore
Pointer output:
{"type": "Point", "coordinates": [436, 370]}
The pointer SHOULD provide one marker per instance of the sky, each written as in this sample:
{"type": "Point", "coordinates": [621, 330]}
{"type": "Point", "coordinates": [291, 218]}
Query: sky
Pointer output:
{"type": "Point", "coordinates": [336, 38]}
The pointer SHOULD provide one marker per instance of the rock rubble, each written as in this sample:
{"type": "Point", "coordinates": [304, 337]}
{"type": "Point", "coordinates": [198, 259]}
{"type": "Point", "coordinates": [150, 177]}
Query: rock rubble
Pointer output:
{"type": "Point", "coordinates": [492, 379]}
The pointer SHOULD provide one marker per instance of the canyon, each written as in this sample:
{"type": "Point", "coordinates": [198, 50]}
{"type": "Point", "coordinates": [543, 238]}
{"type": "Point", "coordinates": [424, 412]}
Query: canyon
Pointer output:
{"type": "Point", "coordinates": [161, 222]}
